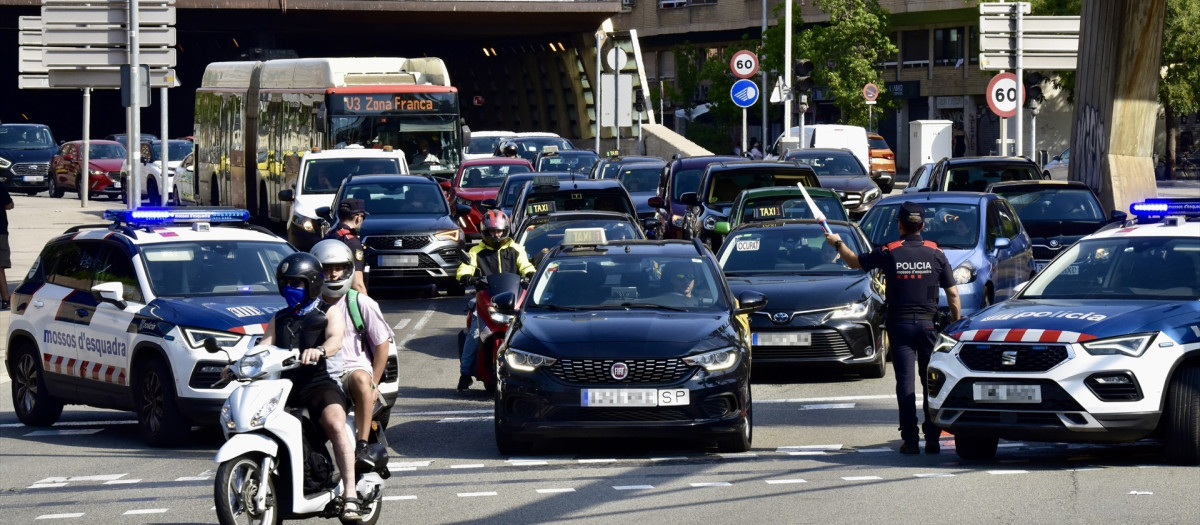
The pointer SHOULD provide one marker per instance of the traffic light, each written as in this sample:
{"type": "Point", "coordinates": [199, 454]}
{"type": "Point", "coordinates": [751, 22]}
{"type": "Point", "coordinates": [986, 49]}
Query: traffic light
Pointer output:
{"type": "Point", "coordinates": [803, 69]}
{"type": "Point", "coordinates": [1033, 90]}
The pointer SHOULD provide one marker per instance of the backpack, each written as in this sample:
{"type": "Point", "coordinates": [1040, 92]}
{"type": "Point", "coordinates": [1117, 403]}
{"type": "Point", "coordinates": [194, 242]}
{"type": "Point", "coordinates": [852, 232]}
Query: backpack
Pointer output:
{"type": "Point", "coordinates": [359, 326]}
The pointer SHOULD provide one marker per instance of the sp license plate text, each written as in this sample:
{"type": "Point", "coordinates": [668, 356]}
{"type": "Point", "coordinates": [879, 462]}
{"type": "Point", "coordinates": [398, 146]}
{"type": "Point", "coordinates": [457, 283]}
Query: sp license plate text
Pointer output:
{"type": "Point", "coordinates": [634, 397]}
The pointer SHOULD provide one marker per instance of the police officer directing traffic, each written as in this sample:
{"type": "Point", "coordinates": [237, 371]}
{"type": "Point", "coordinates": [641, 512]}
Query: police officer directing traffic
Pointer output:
{"type": "Point", "coordinates": [351, 213]}
{"type": "Point", "coordinates": [914, 269]}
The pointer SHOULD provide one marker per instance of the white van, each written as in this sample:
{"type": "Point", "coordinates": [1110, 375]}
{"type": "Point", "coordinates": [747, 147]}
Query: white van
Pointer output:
{"type": "Point", "coordinates": [853, 138]}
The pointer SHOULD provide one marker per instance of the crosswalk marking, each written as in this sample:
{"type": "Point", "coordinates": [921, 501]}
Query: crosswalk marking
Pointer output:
{"type": "Point", "coordinates": [59, 516]}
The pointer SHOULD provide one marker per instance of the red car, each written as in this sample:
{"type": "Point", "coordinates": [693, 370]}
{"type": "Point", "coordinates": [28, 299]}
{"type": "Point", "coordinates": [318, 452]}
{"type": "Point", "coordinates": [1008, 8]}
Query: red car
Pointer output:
{"type": "Point", "coordinates": [104, 173]}
{"type": "Point", "coordinates": [478, 180]}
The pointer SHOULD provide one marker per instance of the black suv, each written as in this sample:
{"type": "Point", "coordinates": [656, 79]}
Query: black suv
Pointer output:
{"type": "Point", "coordinates": [25, 153]}
{"type": "Point", "coordinates": [721, 184]}
{"type": "Point", "coordinates": [682, 175]}
{"type": "Point", "coordinates": [977, 173]}
{"type": "Point", "coordinates": [1055, 213]}
{"type": "Point", "coordinates": [410, 236]}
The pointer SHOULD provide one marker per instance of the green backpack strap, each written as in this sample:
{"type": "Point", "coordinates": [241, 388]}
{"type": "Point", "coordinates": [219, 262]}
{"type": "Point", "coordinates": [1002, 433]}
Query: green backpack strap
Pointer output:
{"type": "Point", "coordinates": [357, 319]}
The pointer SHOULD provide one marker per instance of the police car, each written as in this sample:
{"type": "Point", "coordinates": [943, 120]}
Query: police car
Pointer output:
{"type": "Point", "coordinates": [1101, 346]}
{"type": "Point", "coordinates": [115, 316]}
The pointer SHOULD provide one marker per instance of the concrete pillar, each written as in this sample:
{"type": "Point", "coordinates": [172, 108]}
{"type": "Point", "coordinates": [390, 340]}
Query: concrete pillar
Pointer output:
{"type": "Point", "coordinates": [1116, 99]}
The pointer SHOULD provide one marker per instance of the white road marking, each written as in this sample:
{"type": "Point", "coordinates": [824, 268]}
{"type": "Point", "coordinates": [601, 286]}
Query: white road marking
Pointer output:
{"type": "Point", "coordinates": [465, 419]}
{"type": "Point", "coordinates": [737, 455]}
{"type": "Point", "coordinates": [826, 399]}
{"type": "Point", "coordinates": [526, 462]}
{"type": "Point", "coordinates": [401, 464]}
{"type": "Point", "coordinates": [47, 485]}
{"type": "Point", "coordinates": [598, 460]}
{"type": "Point", "coordinates": [59, 516]}
{"type": "Point", "coordinates": [935, 475]}
{"type": "Point", "coordinates": [444, 413]}
{"type": "Point", "coordinates": [1006, 472]}
{"type": "Point", "coordinates": [145, 511]}
{"type": "Point", "coordinates": [400, 326]}
{"type": "Point", "coordinates": [861, 478]}
{"type": "Point", "coordinates": [711, 484]}
{"type": "Point", "coordinates": [468, 465]}
{"type": "Point", "coordinates": [403, 343]}
{"type": "Point", "coordinates": [632, 487]}
{"type": "Point", "coordinates": [122, 481]}
{"type": "Point", "coordinates": [77, 423]}
{"type": "Point", "coordinates": [555, 491]}
{"type": "Point", "coordinates": [194, 478]}
{"type": "Point", "coordinates": [1010, 445]}
{"type": "Point", "coordinates": [398, 498]}
{"type": "Point", "coordinates": [873, 450]}
{"type": "Point", "coordinates": [784, 481]}
{"type": "Point", "coordinates": [827, 406]}
{"type": "Point", "coordinates": [64, 432]}
{"type": "Point", "coordinates": [670, 458]}
{"type": "Point", "coordinates": [808, 449]}
{"type": "Point", "coordinates": [1139, 493]}
{"type": "Point", "coordinates": [475, 494]}
{"type": "Point", "coordinates": [102, 477]}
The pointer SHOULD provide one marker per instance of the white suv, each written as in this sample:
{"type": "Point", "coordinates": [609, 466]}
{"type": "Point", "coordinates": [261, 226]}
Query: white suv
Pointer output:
{"type": "Point", "coordinates": [1103, 345]}
{"type": "Point", "coordinates": [321, 174]}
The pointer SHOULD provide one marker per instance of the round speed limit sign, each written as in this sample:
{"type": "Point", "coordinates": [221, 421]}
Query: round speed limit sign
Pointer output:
{"type": "Point", "coordinates": [744, 64]}
{"type": "Point", "coordinates": [1002, 95]}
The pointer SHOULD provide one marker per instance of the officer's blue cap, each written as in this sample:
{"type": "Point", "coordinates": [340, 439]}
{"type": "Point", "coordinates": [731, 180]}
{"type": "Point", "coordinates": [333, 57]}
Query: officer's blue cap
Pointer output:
{"type": "Point", "coordinates": [912, 213]}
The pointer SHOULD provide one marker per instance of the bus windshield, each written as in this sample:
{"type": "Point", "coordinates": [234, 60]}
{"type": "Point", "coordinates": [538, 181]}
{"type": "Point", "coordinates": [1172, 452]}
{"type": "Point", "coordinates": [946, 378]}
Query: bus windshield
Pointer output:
{"type": "Point", "coordinates": [431, 143]}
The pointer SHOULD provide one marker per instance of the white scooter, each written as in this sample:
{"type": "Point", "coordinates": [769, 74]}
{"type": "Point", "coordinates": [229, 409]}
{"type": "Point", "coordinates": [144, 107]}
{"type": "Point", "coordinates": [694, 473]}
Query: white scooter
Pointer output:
{"type": "Point", "coordinates": [261, 477]}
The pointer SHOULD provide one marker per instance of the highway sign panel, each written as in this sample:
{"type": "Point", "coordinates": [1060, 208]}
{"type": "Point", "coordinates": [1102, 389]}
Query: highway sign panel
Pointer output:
{"type": "Point", "coordinates": [1000, 8]}
{"type": "Point", "coordinates": [744, 93]}
{"type": "Point", "coordinates": [744, 64]}
{"type": "Point", "coordinates": [60, 35]}
{"type": "Point", "coordinates": [1029, 24]}
{"type": "Point", "coordinates": [1030, 43]}
{"type": "Point", "coordinates": [67, 57]}
{"type": "Point", "coordinates": [112, 13]}
{"type": "Point", "coordinates": [870, 92]}
{"type": "Point", "coordinates": [29, 60]}
{"type": "Point", "coordinates": [999, 60]}
{"type": "Point", "coordinates": [1002, 95]}
{"type": "Point", "coordinates": [106, 78]}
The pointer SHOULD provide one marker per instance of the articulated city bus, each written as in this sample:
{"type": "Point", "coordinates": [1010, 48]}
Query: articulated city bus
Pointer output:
{"type": "Point", "coordinates": [255, 119]}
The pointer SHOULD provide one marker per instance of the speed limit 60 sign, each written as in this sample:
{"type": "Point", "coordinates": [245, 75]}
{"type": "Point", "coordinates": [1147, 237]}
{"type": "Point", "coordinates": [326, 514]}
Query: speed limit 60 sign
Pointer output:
{"type": "Point", "coordinates": [1002, 95]}
{"type": "Point", "coordinates": [744, 64]}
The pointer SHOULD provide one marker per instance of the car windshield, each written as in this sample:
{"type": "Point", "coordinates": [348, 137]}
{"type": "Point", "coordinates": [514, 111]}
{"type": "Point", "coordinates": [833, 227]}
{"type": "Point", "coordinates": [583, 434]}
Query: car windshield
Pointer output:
{"type": "Point", "coordinates": [611, 280]}
{"type": "Point", "coordinates": [323, 176]}
{"type": "Point", "coordinates": [829, 163]}
{"type": "Point", "coordinates": [977, 178]}
{"type": "Point", "coordinates": [724, 186]}
{"type": "Point", "coordinates": [105, 151]}
{"type": "Point", "coordinates": [1122, 268]}
{"type": "Point", "coordinates": [877, 142]}
{"type": "Point", "coordinates": [1055, 204]}
{"type": "Point", "coordinates": [686, 180]}
{"type": "Point", "coordinates": [490, 176]}
{"type": "Point", "coordinates": [230, 267]}
{"type": "Point", "coordinates": [578, 162]}
{"type": "Point", "coordinates": [599, 199]}
{"type": "Point", "coordinates": [483, 145]}
{"type": "Point", "coordinates": [25, 137]}
{"type": "Point", "coordinates": [176, 149]}
{"type": "Point", "coordinates": [639, 180]}
{"type": "Point", "coordinates": [398, 198]}
{"type": "Point", "coordinates": [951, 225]}
{"type": "Point", "coordinates": [773, 207]}
{"type": "Point", "coordinates": [528, 148]}
{"type": "Point", "coordinates": [543, 237]}
{"type": "Point", "coordinates": [790, 249]}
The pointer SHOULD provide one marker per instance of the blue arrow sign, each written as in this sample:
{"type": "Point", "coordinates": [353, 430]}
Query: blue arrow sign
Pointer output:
{"type": "Point", "coordinates": [744, 93]}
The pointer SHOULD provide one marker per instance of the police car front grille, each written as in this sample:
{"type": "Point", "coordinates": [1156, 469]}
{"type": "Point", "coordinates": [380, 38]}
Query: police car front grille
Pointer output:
{"type": "Point", "coordinates": [827, 345]}
{"type": "Point", "coordinates": [618, 414]}
{"type": "Point", "coordinates": [1045, 252]}
{"type": "Point", "coordinates": [28, 168]}
{"type": "Point", "coordinates": [388, 242]}
{"type": "Point", "coordinates": [1009, 418]}
{"type": "Point", "coordinates": [597, 371]}
{"type": "Point", "coordinates": [1029, 358]}
{"type": "Point", "coordinates": [391, 371]}
{"type": "Point", "coordinates": [205, 373]}
{"type": "Point", "coordinates": [1054, 398]}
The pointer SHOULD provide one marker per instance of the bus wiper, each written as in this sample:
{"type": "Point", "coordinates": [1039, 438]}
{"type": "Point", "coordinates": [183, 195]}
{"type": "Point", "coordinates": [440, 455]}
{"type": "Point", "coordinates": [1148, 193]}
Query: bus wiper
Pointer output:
{"type": "Point", "coordinates": [652, 306]}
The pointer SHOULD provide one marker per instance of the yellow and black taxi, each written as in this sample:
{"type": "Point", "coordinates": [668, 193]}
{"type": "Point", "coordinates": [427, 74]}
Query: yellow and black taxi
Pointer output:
{"type": "Point", "coordinates": [549, 193]}
{"type": "Point", "coordinates": [822, 312]}
{"type": "Point", "coordinates": [626, 339]}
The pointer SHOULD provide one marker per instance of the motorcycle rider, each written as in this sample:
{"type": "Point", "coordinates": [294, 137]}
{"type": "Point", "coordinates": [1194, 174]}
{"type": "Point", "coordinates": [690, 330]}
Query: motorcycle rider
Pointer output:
{"type": "Point", "coordinates": [508, 149]}
{"type": "Point", "coordinates": [306, 324]}
{"type": "Point", "coordinates": [360, 365]}
{"type": "Point", "coordinates": [496, 253]}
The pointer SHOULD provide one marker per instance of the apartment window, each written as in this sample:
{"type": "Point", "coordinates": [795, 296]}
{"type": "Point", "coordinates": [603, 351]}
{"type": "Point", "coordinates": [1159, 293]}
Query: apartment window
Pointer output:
{"type": "Point", "coordinates": [948, 46]}
{"type": "Point", "coordinates": [890, 62]}
{"type": "Point", "coordinates": [669, 4]}
{"type": "Point", "coordinates": [702, 2]}
{"type": "Point", "coordinates": [916, 48]}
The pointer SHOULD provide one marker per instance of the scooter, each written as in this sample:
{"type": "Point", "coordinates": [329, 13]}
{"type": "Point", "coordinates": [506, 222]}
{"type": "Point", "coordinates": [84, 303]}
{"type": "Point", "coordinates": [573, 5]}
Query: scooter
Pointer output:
{"type": "Point", "coordinates": [261, 476]}
{"type": "Point", "coordinates": [493, 325]}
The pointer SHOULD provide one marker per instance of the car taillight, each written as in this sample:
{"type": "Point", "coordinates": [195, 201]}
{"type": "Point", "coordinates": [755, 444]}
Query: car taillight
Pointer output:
{"type": "Point", "coordinates": [889, 156]}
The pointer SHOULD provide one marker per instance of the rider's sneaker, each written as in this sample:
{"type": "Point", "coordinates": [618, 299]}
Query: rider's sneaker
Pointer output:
{"type": "Point", "coordinates": [464, 382]}
{"type": "Point", "coordinates": [362, 457]}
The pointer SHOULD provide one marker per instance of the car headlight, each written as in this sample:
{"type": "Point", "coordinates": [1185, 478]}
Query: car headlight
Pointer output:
{"type": "Point", "coordinates": [5, 163]}
{"type": "Point", "coordinates": [195, 337]}
{"type": "Point", "coordinates": [710, 222]}
{"type": "Point", "coordinates": [871, 195]}
{"type": "Point", "coordinates": [851, 311]}
{"type": "Point", "coordinates": [250, 365]}
{"type": "Point", "coordinates": [965, 273]}
{"type": "Point", "coordinates": [226, 418]}
{"type": "Point", "coordinates": [260, 417]}
{"type": "Point", "coordinates": [307, 224]}
{"type": "Point", "coordinates": [97, 173]}
{"type": "Point", "coordinates": [526, 361]}
{"type": "Point", "coordinates": [1133, 345]}
{"type": "Point", "coordinates": [944, 343]}
{"type": "Point", "coordinates": [677, 220]}
{"type": "Point", "coordinates": [499, 317]}
{"type": "Point", "coordinates": [722, 359]}
{"type": "Point", "coordinates": [464, 201]}
{"type": "Point", "coordinates": [448, 235]}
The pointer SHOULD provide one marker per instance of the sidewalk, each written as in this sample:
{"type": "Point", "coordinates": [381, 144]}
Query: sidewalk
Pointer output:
{"type": "Point", "coordinates": [33, 221]}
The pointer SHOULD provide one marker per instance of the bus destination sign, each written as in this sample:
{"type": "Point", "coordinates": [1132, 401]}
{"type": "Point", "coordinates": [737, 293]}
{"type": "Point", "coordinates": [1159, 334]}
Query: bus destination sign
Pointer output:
{"type": "Point", "coordinates": [392, 103]}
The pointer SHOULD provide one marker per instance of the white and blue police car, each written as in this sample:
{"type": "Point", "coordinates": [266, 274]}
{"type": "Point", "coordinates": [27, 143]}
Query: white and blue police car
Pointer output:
{"type": "Point", "coordinates": [114, 316]}
{"type": "Point", "coordinates": [1101, 346]}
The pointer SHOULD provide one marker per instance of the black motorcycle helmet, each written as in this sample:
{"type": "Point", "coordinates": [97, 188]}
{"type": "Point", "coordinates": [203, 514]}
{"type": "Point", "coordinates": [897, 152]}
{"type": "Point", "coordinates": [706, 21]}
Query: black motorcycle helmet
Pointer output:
{"type": "Point", "coordinates": [508, 149]}
{"type": "Point", "coordinates": [305, 266]}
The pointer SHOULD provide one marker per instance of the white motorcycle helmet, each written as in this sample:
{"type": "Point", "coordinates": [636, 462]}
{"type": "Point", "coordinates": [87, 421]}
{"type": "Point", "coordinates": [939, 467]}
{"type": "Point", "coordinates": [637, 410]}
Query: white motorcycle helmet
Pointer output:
{"type": "Point", "coordinates": [333, 251]}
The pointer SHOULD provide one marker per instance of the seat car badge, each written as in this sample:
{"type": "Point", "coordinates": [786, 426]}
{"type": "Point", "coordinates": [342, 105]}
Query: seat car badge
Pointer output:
{"type": "Point", "coordinates": [1008, 358]}
{"type": "Point", "coordinates": [780, 317]}
{"type": "Point", "coordinates": [619, 371]}
{"type": "Point", "coordinates": [398, 243]}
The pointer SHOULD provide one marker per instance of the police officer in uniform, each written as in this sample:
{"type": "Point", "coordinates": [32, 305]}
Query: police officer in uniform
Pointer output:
{"type": "Point", "coordinates": [914, 269]}
{"type": "Point", "coordinates": [351, 213]}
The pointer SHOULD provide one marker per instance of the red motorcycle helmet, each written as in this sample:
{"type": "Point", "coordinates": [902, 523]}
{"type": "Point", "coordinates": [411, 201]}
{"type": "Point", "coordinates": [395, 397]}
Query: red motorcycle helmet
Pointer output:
{"type": "Point", "coordinates": [495, 228]}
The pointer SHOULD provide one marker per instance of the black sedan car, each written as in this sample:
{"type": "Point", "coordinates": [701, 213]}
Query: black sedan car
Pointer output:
{"type": "Point", "coordinates": [541, 233]}
{"type": "Point", "coordinates": [1055, 213]}
{"type": "Point", "coordinates": [822, 312]}
{"type": "Point", "coordinates": [721, 184]}
{"type": "Point", "coordinates": [409, 236]}
{"type": "Point", "coordinates": [626, 339]}
{"type": "Point", "coordinates": [840, 171]}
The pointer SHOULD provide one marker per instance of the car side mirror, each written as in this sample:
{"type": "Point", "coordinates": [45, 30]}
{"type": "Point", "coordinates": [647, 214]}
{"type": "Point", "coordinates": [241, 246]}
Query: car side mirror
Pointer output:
{"type": "Point", "coordinates": [210, 345]}
{"type": "Point", "coordinates": [924, 189]}
{"type": "Point", "coordinates": [110, 292]}
{"type": "Point", "coordinates": [287, 195]}
{"type": "Point", "coordinates": [489, 204]}
{"type": "Point", "coordinates": [1057, 157]}
{"type": "Point", "coordinates": [1001, 243]}
{"type": "Point", "coordinates": [505, 303]}
{"type": "Point", "coordinates": [445, 184]}
{"type": "Point", "coordinates": [651, 224]}
{"type": "Point", "coordinates": [1019, 287]}
{"type": "Point", "coordinates": [690, 199]}
{"type": "Point", "coordinates": [1045, 176]}
{"type": "Point", "coordinates": [750, 301]}
{"type": "Point", "coordinates": [461, 210]}
{"type": "Point", "coordinates": [656, 202]}
{"type": "Point", "coordinates": [1118, 216]}
{"type": "Point", "coordinates": [721, 228]}
{"type": "Point", "coordinates": [325, 212]}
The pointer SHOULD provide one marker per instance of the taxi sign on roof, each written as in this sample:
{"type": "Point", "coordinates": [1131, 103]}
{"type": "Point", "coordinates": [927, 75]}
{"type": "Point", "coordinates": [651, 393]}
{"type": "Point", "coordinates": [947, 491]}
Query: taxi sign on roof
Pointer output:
{"type": "Point", "coordinates": [545, 180]}
{"type": "Point", "coordinates": [539, 208]}
{"type": "Point", "coordinates": [768, 212]}
{"type": "Point", "coordinates": [549, 148]}
{"type": "Point", "coordinates": [584, 237]}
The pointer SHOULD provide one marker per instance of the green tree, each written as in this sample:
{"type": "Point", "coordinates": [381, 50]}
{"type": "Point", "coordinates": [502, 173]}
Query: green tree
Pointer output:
{"type": "Point", "coordinates": [1181, 60]}
{"type": "Point", "coordinates": [685, 91]}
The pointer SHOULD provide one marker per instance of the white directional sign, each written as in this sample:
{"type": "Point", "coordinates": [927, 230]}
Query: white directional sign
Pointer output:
{"type": "Point", "coordinates": [1029, 24]}
{"type": "Point", "coordinates": [112, 13]}
{"type": "Point", "coordinates": [106, 78]}
{"type": "Point", "coordinates": [1001, 8]}
{"type": "Point", "coordinates": [998, 61]}
{"type": "Point", "coordinates": [57, 35]}
{"type": "Point", "coordinates": [155, 57]}
{"type": "Point", "coordinates": [1030, 43]}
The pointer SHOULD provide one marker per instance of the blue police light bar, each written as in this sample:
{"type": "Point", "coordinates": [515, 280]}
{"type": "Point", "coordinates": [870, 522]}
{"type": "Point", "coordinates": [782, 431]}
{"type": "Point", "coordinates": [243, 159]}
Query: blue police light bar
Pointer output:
{"type": "Point", "coordinates": [162, 216]}
{"type": "Point", "coordinates": [1159, 208]}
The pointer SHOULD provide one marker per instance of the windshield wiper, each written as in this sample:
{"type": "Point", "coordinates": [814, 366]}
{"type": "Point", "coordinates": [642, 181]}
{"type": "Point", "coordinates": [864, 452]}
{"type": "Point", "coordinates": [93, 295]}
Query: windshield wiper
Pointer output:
{"type": "Point", "coordinates": [652, 306]}
{"type": "Point", "coordinates": [557, 307]}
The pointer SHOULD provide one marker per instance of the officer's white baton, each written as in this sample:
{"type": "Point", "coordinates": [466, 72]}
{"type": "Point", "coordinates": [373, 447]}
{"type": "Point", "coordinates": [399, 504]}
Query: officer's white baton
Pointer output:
{"type": "Point", "coordinates": [813, 206]}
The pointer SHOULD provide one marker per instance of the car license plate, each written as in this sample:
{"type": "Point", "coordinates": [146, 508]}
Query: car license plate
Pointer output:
{"type": "Point", "coordinates": [1041, 265]}
{"type": "Point", "coordinates": [1002, 393]}
{"type": "Point", "coordinates": [634, 397]}
{"type": "Point", "coordinates": [398, 260]}
{"type": "Point", "coordinates": [34, 178]}
{"type": "Point", "coordinates": [782, 339]}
